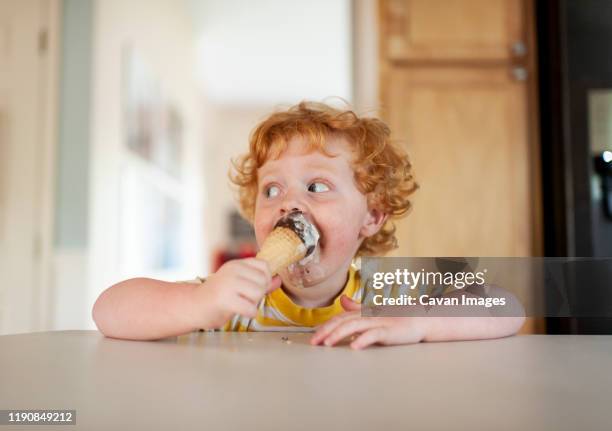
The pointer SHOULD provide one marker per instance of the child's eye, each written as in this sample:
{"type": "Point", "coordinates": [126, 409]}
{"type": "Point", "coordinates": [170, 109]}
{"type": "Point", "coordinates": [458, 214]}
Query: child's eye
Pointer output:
{"type": "Point", "coordinates": [318, 187]}
{"type": "Point", "coordinates": [272, 191]}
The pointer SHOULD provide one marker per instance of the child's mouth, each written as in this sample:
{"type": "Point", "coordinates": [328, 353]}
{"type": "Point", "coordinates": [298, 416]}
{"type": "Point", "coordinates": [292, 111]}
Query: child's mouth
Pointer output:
{"type": "Point", "coordinates": [304, 228]}
{"type": "Point", "coordinates": [307, 270]}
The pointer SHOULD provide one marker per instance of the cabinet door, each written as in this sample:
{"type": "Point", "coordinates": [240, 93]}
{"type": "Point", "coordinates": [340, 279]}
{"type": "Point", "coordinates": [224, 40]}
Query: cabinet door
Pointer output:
{"type": "Point", "coordinates": [452, 30]}
{"type": "Point", "coordinates": [466, 132]}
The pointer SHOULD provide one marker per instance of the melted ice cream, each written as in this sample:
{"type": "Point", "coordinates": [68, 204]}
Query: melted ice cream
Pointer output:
{"type": "Point", "coordinates": [306, 231]}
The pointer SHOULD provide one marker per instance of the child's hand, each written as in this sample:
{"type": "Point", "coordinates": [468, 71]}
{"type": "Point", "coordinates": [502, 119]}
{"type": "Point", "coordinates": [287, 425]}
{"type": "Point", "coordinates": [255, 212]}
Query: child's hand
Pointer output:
{"type": "Point", "coordinates": [381, 330]}
{"type": "Point", "coordinates": [236, 288]}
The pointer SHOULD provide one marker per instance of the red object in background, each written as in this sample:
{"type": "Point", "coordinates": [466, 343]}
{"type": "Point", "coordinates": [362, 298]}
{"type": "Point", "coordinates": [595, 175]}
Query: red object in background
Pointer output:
{"type": "Point", "coordinates": [242, 251]}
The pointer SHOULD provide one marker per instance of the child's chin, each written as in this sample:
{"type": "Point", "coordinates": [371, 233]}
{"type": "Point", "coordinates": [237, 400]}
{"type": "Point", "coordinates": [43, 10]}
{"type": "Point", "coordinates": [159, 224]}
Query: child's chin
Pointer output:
{"type": "Point", "coordinates": [313, 273]}
{"type": "Point", "coordinates": [305, 276]}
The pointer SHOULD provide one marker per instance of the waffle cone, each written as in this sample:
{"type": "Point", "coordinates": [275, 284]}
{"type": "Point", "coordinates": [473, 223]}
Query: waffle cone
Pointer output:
{"type": "Point", "coordinates": [281, 248]}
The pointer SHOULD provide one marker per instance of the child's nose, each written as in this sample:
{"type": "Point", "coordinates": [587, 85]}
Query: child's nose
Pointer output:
{"type": "Point", "coordinates": [291, 206]}
{"type": "Point", "coordinates": [292, 202]}
{"type": "Point", "coordinates": [286, 211]}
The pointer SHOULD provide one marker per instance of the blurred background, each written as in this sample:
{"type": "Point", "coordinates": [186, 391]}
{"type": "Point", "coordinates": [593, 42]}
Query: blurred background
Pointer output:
{"type": "Point", "coordinates": [118, 120]}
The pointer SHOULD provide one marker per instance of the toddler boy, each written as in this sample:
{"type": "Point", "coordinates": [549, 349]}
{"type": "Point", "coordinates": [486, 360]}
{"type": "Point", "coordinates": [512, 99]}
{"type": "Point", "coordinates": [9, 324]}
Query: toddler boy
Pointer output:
{"type": "Point", "coordinates": [345, 176]}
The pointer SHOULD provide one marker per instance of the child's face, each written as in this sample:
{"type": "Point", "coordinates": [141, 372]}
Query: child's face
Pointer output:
{"type": "Point", "coordinates": [324, 189]}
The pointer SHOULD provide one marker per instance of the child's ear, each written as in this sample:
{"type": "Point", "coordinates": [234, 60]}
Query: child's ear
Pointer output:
{"type": "Point", "coordinates": [374, 221]}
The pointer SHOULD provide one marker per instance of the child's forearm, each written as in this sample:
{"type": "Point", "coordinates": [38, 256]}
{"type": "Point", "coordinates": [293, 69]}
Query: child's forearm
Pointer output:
{"type": "Point", "coordinates": [481, 324]}
{"type": "Point", "coordinates": [146, 309]}
{"type": "Point", "coordinates": [471, 328]}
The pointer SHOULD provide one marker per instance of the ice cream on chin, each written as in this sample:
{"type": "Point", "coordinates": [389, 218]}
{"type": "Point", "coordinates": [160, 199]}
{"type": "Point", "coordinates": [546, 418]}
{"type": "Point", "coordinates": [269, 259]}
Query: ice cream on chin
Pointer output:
{"type": "Point", "coordinates": [306, 271]}
{"type": "Point", "coordinates": [293, 240]}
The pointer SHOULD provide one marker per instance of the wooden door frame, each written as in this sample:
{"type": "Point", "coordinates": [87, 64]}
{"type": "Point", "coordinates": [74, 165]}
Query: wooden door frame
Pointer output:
{"type": "Point", "coordinates": [569, 71]}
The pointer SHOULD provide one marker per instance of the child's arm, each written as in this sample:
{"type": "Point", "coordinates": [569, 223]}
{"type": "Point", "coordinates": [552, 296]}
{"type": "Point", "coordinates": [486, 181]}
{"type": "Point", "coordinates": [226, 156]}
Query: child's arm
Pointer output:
{"type": "Point", "coordinates": [481, 325]}
{"type": "Point", "coordinates": [146, 309]}
{"type": "Point", "coordinates": [436, 324]}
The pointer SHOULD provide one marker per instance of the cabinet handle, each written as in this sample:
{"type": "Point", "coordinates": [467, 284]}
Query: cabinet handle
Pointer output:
{"type": "Point", "coordinates": [519, 49]}
{"type": "Point", "coordinates": [519, 73]}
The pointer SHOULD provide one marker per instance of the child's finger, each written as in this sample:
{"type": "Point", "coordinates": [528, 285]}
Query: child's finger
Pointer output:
{"type": "Point", "coordinates": [274, 284]}
{"type": "Point", "coordinates": [324, 330]}
{"type": "Point", "coordinates": [349, 328]}
{"type": "Point", "coordinates": [250, 290]}
{"type": "Point", "coordinates": [244, 307]}
{"type": "Point", "coordinates": [255, 274]}
{"type": "Point", "coordinates": [375, 335]}
{"type": "Point", "coordinates": [349, 304]}
{"type": "Point", "coordinates": [255, 280]}
{"type": "Point", "coordinates": [259, 264]}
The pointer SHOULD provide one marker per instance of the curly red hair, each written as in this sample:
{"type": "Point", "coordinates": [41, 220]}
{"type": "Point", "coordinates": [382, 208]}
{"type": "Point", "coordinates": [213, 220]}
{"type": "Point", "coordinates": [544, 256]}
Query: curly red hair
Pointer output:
{"type": "Point", "coordinates": [382, 169]}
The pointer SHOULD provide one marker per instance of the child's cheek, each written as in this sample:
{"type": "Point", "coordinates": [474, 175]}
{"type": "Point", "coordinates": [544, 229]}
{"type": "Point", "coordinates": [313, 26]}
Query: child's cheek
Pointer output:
{"type": "Point", "coordinates": [341, 232]}
{"type": "Point", "coordinates": [258, 235]}
{"type": "Point", "coordinates": [350, 220]}
{"type": "Point", "coordinates": [261, 226]}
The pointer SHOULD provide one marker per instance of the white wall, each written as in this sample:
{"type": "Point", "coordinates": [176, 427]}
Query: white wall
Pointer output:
{"type": "Point", "coordinates": [255, 57]}
{"type": "Point", "coordinates": [227, 131]}
{"type": "Point", "coordinates": [266, 52]}
{"type": "Point", "coordinates": [160, 32]}
{"type": "Point", "coordinates": [251, 60]}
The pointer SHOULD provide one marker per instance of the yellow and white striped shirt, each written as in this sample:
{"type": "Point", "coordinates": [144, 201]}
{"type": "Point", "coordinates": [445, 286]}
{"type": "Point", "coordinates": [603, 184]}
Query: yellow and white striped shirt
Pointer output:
{"type": "Point", "coordinates": [277, 312]}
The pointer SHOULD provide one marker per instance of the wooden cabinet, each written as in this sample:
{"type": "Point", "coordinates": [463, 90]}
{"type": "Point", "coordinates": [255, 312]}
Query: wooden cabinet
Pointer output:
{"type": "Point", "coordinates": [468, 123]}
{"type": "Point", "coordinates": [465, 130]}
{"type": "Point", "coordinates": [457, 88]}
{"type": "Point", "coordinates": [453, 29]}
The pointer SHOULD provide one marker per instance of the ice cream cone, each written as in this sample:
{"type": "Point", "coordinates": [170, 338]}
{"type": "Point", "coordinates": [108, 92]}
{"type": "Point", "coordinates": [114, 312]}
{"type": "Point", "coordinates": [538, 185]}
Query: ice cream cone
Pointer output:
{"type": "Point", "coordinates": [282, 248]}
